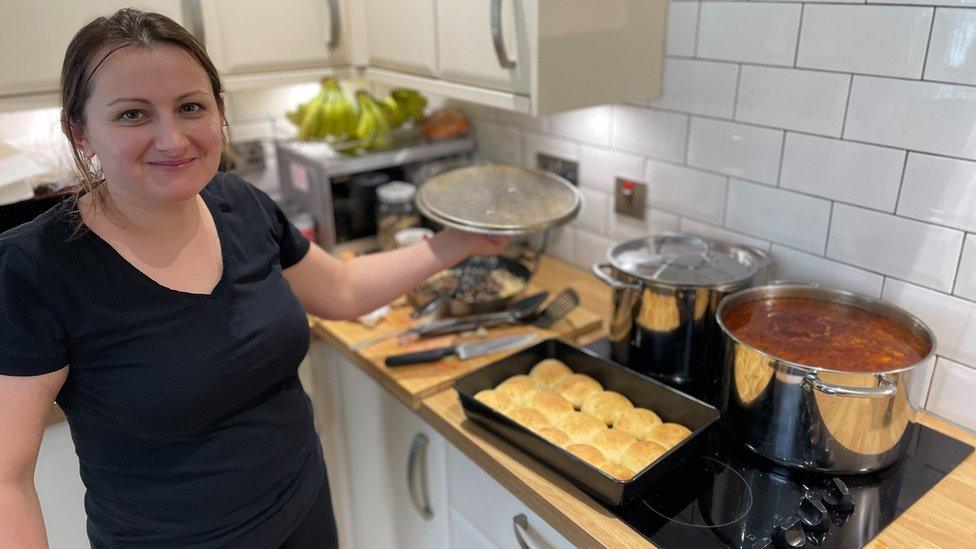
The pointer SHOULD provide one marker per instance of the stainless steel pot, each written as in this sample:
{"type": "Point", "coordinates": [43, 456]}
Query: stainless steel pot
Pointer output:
{"type": "Point", "coordinates": [666, 289]}
{"type": "Point", "coordinates": [815, 418]}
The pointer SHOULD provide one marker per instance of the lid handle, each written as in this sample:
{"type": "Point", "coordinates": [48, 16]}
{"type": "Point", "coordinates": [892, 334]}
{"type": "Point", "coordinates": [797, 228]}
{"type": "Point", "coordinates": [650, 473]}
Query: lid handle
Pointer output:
{"type": "Point", "coordinates": [705, 245]}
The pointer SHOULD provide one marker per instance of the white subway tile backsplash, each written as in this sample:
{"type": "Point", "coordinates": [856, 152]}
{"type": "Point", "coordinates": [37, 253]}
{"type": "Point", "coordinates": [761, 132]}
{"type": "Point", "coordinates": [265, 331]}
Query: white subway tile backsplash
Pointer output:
{"type": "Point", "coordinates": [707, 230]}
{"type": "Point", "coordinates": [810, 101]}
{"type": "Point", "coordinates": [685, 190]}
{"type": "Point", "coordinates": [866, 175]}
{"type": "Point", "coordinates": [909, 250]}
{"type": "Point", "coordinates": [591, 125]}
{"type": "Point", "coordinates": [682, 27]}
{"type": "Point", "coordinates": [655, 222]}
{"type": "Point", "coordinates": [951, 394]}
{"type": "Point", "coordinates": [534, 143]}
{"type": "Point", "coordinates": [654, 133]}
{"type": "Point", "coordinates": [923, 116]}
{"type": "Point", "coordinates": [790, 265]}
{"type": "Point", "coordinates": [960, 3]}
{"type": "Point", "coordinates": [699, 87]}
{"type": "Point", "coordinates": [562, 244]}
{"type": "Point", "coordinates": [780, 216]}
{"type": "Point", "coordinates": [952, 50]}
{"type": "Point", "coordinates": [746, 31]}
{"type": "Point", "coordinates": [498, 143]}
{"type": "Point", "coordinates": [939, 190]}
{"type": "Point", "coordinates": [952, 320]}
{"type": "Point", "coordinates": [591, 248]}
{"type": "Point", "coordinates": [966, 277]}
{"type": "Point", "coordinates": [885, 40]}
{"type": "Point", "coordinates": [735, 149]}
{"type": "Point", "coordinates": [918, 391]}
{"type": "Point", "coordinates": [593, 215]}
{"type": "Point", "coordinates": [600, 168]}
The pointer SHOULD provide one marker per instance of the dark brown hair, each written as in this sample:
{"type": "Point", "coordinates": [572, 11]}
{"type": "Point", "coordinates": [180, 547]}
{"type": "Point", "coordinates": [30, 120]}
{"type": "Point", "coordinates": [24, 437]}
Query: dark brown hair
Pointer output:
{"type": "Point", "coordinates": [126, 27]}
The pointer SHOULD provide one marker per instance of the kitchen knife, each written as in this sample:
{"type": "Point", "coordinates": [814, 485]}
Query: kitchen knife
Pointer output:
{"type": "Point", "coordinates": [463, 351]}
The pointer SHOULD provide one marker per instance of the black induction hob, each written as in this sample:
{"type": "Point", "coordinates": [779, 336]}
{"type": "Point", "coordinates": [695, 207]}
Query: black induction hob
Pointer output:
{"type": "Point", "coordinates": [730, 497]}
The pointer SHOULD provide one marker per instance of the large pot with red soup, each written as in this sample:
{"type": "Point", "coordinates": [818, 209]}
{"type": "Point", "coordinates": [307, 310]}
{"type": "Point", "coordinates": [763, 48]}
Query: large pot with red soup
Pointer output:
{"type": "Point", "coordinates": [818, 378]}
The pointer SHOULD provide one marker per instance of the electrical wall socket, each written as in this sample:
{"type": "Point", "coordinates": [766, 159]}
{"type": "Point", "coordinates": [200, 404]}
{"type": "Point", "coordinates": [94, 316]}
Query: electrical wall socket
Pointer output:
{"type": "Point", "coordinates": [559, 166]}
{"type": "Point", "coordinates": [629, 198]}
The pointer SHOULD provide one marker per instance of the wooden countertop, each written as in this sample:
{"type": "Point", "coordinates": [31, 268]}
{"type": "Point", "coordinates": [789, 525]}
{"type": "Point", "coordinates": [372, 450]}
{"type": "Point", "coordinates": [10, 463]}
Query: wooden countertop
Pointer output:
{"type": "Point", "coordinates": [944, 517]}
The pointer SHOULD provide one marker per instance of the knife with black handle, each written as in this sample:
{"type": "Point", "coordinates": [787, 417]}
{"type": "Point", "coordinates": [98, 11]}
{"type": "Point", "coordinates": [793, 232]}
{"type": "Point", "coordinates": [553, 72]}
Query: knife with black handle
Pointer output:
{"type": "Point", "coordinates": [463, 351]}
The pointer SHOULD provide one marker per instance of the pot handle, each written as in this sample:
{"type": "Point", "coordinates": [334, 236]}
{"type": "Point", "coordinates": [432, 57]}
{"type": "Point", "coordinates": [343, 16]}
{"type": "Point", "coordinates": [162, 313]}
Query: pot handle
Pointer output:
{"type": "Point", "coordinates": [884, 389]}
{"type": "Point", "coordinates": [600, 271]}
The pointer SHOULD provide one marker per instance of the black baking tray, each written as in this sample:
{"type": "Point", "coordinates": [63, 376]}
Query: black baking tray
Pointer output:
{"type": "Point", "coordinates": [671, 405]}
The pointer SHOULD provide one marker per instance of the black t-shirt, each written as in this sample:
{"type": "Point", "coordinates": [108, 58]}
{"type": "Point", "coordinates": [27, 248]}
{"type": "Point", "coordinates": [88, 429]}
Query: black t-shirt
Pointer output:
{"type": "Point", "coordinates": [187, 415]}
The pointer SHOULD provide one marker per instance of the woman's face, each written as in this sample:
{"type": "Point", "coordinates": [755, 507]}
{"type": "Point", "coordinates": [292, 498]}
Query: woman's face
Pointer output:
{"type": "Point", "coordinates": [154, 124]}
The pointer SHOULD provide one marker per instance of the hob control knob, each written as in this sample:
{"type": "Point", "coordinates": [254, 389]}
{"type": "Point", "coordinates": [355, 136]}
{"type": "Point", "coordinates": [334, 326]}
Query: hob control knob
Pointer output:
{"type": "Point", "coordinates": [789, 534]}
{"type": "Point", "coordinates": [812, 513]}
{"type": "Point", "coordinates": [837, 497]}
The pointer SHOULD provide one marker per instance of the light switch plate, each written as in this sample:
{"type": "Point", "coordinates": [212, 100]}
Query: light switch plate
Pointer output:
{"type": "Point", "coordinates": [629, 198]}
{"type": "Point", "coordinates": [559, 166]}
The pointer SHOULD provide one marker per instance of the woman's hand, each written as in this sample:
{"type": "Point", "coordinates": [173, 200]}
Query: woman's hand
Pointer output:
{"type": "Point", "coordinates": [478, 244]}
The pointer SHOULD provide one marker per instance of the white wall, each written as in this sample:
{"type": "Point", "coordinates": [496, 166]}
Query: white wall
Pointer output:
{"type": "Point", "coordinates": [841, 137]}
{"type": "Point", "coordinates": [60, 490]}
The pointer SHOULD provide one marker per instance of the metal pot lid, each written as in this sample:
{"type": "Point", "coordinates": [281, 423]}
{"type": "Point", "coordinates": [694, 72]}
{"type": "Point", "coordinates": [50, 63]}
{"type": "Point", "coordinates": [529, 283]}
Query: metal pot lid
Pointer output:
{"type": "Point", "coordinates": [497, 199]}
{"type": "Point", "coordinates": [685, 259]}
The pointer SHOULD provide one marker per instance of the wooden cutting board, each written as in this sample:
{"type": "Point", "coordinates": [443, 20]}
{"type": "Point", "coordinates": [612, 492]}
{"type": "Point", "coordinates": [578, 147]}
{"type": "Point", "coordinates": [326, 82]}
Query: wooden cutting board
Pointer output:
{"type": "Point", "coordinates": [412, 384]}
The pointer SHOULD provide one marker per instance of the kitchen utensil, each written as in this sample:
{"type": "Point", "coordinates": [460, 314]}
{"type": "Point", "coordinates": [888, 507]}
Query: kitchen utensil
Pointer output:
{"type": "Point", "coordinates": [463, 351]}
{"type": "Point", "coordinates": [557, 309]}
{"type": "Point", "coordinates": [521, 310]}
{"type": "Point", "coordinates": [499, 200]}
{"type": "Point", "coordinates": [816, 418]}
{"type": "Point", "coordinates": [457, 307]}
{"type": "Point", "coordinates": [474, 271]}
{"type": "Point", "coordinates": [665, 291]}
{"type": "Point", "coordinates": [670, 404]}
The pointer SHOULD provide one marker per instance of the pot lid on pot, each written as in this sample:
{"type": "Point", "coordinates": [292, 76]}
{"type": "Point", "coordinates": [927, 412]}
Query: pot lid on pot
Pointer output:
{"type": "Point", "coordinates": [685, 259]}
{"type": "Point", "coordinates": [498, 199]}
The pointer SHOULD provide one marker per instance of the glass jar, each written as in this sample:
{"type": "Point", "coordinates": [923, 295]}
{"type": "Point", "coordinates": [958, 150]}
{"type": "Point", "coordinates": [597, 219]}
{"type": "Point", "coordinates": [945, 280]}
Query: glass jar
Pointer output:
{"type": "Point", "coordinates": [394, 211]}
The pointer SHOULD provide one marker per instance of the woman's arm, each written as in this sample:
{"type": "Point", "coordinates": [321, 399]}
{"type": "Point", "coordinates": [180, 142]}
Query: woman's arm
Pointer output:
{"type": "Point", "coordinates": [333, 289]}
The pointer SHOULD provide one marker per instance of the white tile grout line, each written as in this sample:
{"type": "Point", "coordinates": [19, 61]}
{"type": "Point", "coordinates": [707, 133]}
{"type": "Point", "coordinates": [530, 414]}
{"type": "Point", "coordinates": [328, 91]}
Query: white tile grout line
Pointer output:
{"type": "Point", "coordinates": [782, 155]}
{"type": "Point", "coordinates": [901, 182]}
{"type": "Point", "coordinates": [694, 50]}
{"type": "Point", "coordinates": [830, 224]}
{"type": "Point", "coordinates": [687, 140]}
{"type": "Point", "coordinates": [928, 43]}
{"type": "Point", "coordinates": [735, 96]}
{"type": "Point", "coordinates": [955, 277]}
{"type": "Point", "coordinates": [847, 106]}
{"type": "Point", "coordinates": [725, 205]}
{"type": "Point", "coordinates": [799, 33]}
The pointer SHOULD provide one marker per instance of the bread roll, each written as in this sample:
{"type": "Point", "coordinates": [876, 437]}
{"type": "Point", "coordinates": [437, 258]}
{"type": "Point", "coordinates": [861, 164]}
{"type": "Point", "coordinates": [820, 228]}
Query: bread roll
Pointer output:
{"type": "Point", "coordinates": [638, 422]}
{"type": "Point", "coordinates": [588, 454]}
{"type": "Point", "coordinates": [641, 454]}
{"type": "Point", "coordinates": [606, 406]}
{"type": "Point", "coordinates": [496, 400]}
{"type": "Point", "coordinates": [529, 418]}
{"type": "Point", "coordinates": [576, 387]}
{"type": "Point", "coordinates": [554, 436]}
{"type": "Point", "coordinates": [547, 373]}
{"type": "Point", "coordinates": [519, 388]}
{"type": "Point", "coordinates": [618, 471]}
{"type": "Point", "coordinates": [580, 427]}
{"type": "Point", "coordinates": [612, 443]}
{"type": "Point", "coordinates": [668, 434]}
{"type": "Point", "coordinates": [553, 406]}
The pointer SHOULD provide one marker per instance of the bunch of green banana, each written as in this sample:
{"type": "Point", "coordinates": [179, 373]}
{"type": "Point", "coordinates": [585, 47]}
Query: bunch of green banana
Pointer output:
{"type": "Point", "coordinates": [373, 127]}
{"type": "Point", "coordinates": [329, 114]}
{"type": "Point", "coordinates": [404, 104]}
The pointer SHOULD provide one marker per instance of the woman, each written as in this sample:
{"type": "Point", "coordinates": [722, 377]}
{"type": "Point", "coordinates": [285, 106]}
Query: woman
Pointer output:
{"type": "Point", "coordinates": [165, 314]}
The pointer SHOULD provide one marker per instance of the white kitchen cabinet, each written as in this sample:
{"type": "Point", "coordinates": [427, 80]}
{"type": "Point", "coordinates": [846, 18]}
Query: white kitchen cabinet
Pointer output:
{"type": "Point", "coordinates": [486, 506]}
{"type": "Point", "coordinates": [402, 36]}
{"type": "Point", "coordinates": [248, 36]}
{"type": "Point", "coordinates": [34, 36]}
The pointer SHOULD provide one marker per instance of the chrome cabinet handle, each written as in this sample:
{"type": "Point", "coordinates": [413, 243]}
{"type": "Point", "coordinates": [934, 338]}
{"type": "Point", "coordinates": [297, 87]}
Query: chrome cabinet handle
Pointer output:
{"type": "Point", "coordinates": [526, 539]}
{"type": "Point", "coordinates": [885, 387]}
{"type": "Point", "coordinates": [496, 35]}
{"type": "Point", "coordinates": [418, 459]}
{"type": "Point", "coordinates": [336, 25]}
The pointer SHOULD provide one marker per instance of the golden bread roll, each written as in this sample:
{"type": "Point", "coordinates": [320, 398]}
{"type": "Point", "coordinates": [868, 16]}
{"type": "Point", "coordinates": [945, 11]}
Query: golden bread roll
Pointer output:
{"type": "Point", "coordinates": [638, 422]}
{"type": "Point", "coordinates": [668, 434]}
{"type": "Point", "coordinates": [554, 436]}
{"type": "Point", "coordinates": [519, 388]}
{"type": "Point", "coordinates": [548, 372]}
{"type": "Point", "coordinates": [580, 427]}
{"type": "Point", "coordinates": [576, 387]}
{"type": "Point", "coordinates": [612, 443]}
{"type": "Point", "coordinates": [496, 400]}
{"type": "Point", "coordinates": [618, 471]}
{"type": "Point", "coordinates": [529, 418]}
{"type": "Point", "coordinates": [641, 454]}
{"type": "Point", "coordinates": [553, 406]}
{"type": "Point", "coordinates": [606, 406]}
{"type": "Point", "coordinates": [588, 454]}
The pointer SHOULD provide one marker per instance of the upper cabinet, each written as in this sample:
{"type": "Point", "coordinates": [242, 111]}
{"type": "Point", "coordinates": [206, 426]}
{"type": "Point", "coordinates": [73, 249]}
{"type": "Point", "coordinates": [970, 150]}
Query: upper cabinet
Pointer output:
{"type": "Point", "coordinates": [34, 36]}
{"type": "Point", "coordinates": [402, 35]}
{"type": "Point", "coordinates": [249, 36]}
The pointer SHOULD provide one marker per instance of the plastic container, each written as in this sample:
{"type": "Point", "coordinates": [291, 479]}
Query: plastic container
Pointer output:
{"type": "Point", "coordinates": [394, 212]}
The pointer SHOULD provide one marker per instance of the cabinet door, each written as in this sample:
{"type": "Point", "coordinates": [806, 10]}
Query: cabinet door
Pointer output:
{"type": "Point", "coordinates": [34, 36]}
{"type": "Point", "coordinates": [491, 509]}
{"type": "Point", "coordinates": [466, 43]}
{"type": "Point", "coordinates": [401, 35]}
{"type": "Point", "coordinates": [383, 439]}
{"type": "Point", "coordinates": [255, 35]}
